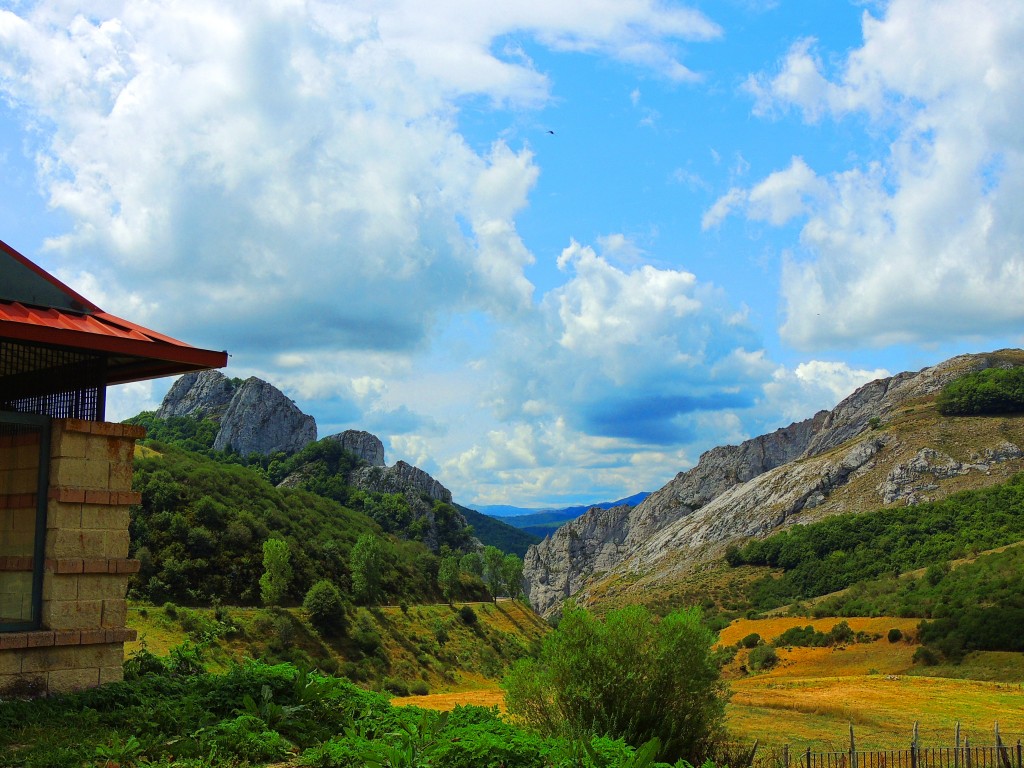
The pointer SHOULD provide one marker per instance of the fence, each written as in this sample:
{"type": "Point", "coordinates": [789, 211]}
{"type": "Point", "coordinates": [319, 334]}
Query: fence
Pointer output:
{"type": "Point", "coordinates": [962, 754]}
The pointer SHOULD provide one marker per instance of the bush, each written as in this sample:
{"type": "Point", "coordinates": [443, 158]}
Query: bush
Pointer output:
{"type": "Point", "coordinates": [325, 606]}
{"type": "Point", "coordinates": [751, 640]}
{"type": "Point", "coordinates": [926, 656]}
{"type": "Point", "coordinates": [468, 615]}
{"type": "Point", "coordinates": [894, 635]}
{"type": "Point", "coordinates": [993, 390]}
{"type": "Point", "coordinates": [628, 677]}
{"type": "Point", "coordinates": [761, 658]}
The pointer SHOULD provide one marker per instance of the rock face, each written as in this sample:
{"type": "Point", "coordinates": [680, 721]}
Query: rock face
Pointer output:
{"type": "Point", "coordinates": [254, 416]}
{"type": "Point", "coordinates": [261, 419]}
{"type": "Point", "coordinates": [367, 447]}
{"type": "Point", "coordinates": [400, 478]}
{"type": "Point", "coordinates": [762, 484]}
{"type": "Point", "coordinates": [203, 395]}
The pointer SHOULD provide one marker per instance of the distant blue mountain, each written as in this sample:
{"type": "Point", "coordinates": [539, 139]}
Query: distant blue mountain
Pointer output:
{"type": "Point", "coordinates": [542, 522]}
{"type": "Point", "coordinates": [507, 510]}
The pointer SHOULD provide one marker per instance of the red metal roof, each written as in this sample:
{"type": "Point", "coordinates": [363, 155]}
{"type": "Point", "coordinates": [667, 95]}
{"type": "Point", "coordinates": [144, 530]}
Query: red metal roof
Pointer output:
{"type": "Point", "coordinates": [70, 321]}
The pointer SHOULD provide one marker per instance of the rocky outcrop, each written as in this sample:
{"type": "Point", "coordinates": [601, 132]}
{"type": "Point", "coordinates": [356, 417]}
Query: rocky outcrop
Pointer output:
{"type": "Point", "coordinates": [367, 447]}
{"type": "Point", "coordinates": [261, 419]}
{"type": "Point", "coordinates": [911, 481]}
{"type": "Point", "coordinates": [401, 478]}
{"type": "Point", "coordinates": [202, 395]}
{"type": "Point", "coordinates": [757, 486]}
{"type": "Point", "coordinates": [254, 416]}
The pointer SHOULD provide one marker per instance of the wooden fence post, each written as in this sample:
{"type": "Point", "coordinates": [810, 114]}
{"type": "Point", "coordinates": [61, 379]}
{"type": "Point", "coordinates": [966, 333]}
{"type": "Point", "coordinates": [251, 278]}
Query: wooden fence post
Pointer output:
{"type": "Point", "coordinates": [853, 749]}
{"type": "Point", "coordinates": [913, 749]}
{"type": "Point", "coordinates": [808, 757]}
{"type": "Point", "coordinates": [956, 754]}
{"type": "Point", "coordinates": [967, 752]}
{"type": "Point", "coordinates": [785, 755]}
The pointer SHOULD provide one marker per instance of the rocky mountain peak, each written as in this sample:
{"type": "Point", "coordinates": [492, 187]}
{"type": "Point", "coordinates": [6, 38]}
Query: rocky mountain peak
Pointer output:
{"type": "Point", "coordinates": [203, 395]}
{"type": "Point", "coordinates": [367, 447]}
{"type": "Point", "coordinates": [254, 416]}
{"type": "Point", "coordinates": [753, 488]}
{"type": "Point", "coordinates": [262, 419]}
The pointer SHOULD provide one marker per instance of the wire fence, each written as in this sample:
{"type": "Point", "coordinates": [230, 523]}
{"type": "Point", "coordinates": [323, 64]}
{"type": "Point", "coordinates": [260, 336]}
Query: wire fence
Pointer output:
{"type": "Point", "coordinates": [1000, 753]}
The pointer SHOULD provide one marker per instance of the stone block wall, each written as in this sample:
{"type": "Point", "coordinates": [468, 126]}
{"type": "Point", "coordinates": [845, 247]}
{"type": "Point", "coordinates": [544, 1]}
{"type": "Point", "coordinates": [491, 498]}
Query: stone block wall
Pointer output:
{"type": "Point", "coordinates": [86, 568]}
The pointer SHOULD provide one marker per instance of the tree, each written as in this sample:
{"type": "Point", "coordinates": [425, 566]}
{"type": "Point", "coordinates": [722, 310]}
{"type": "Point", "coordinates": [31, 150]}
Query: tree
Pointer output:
{"type": "Point", "coordinates": [629, 677]}
{"type": "Point", "coordinates": [448, 577]}
{"type": "Point", "coordinates": [493, 576]}
{"type": "Point", "coordinates": [277, 571]}
{"type": "Point", "coordinates": [472, 564]}
{"type": "Point", "coordinates": [325, 606]}
{"type": "Point", "coordinates": [512, 575]}
{"type": "Point", "coordinates": [367, 562]}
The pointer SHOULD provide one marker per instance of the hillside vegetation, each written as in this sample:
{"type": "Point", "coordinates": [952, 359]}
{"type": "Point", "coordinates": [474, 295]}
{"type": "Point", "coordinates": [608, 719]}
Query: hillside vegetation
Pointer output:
{"type": "Point", "coordinates": [209, 520]}
{"type": "Point", "coordinates": [402, 650]}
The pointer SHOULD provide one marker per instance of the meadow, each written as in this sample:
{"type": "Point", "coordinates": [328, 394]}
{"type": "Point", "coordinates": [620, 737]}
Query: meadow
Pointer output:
{"type": "Point", "coordinates": [813, 695]}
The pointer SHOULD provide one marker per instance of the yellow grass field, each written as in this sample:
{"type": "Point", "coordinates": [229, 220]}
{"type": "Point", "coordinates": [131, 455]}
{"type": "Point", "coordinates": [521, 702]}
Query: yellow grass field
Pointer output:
{"type": "Point", "coordinates": [813, 696]}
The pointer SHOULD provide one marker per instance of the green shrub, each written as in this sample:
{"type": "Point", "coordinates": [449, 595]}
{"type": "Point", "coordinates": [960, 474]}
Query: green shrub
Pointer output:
{"type": "Point", "coordinates": [926, 656]}
{"type": "Point", "coordinates": [395, 686]}
{"type": "Point", "coordinates": [895, 635]}
{"type": "Point", "coordinates": [419, 688]}
{"type": "Point", "coordinates": [629, 676]}
{"type": "Point", "coordinates": [468, 615]}
{"type": "Point", "coordinates": [325, 606]}
{"type": "Point", "coordinates": [761, 658]}
{"type": "Point", "coordinates": [751, 640]}
{"type": "Point", "coordinates": [993, 390]}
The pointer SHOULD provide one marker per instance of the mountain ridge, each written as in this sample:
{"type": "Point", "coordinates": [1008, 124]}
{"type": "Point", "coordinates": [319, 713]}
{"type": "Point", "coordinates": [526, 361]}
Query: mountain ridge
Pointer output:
{"type": "Point", "coordinates": [811, 468]}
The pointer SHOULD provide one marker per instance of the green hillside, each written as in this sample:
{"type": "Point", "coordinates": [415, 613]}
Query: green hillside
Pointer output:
{"type": "Point", "coordinates": [205, 517]}
{"type": "Point", "coordinates": [497, 533]}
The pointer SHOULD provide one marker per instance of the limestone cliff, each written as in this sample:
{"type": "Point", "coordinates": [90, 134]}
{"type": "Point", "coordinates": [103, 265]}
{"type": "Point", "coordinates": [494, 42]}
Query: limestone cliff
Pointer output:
{"type": "Point", "coordinates": [882, 444]}
{"type": "Point", "coordinates": [367, 447]}
{"type": "Point", "coordinates": [261, 419]}
{"type": "Point", "coordinates": [254, 416]}
{"type": "Point", "coordinates": [203, 395]}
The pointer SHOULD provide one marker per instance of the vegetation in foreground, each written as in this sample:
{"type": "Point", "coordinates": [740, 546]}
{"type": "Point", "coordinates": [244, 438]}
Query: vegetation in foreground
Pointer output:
{"type": "Point", "coordinates": [171, 712]}
{"type": "Point", "coordinates": [400, 649]}
{"type": "Point", "coordinates": [628, 676]}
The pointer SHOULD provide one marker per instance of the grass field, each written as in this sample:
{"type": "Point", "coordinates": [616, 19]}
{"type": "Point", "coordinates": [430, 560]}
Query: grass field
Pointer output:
{"type": "Point", "coordinates": [813, 696]}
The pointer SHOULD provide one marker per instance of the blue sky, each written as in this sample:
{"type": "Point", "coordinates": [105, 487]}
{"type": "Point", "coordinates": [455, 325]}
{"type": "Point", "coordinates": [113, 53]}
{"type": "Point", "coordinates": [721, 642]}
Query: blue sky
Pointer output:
{"type": "Point", "coordinates": [548, 252]}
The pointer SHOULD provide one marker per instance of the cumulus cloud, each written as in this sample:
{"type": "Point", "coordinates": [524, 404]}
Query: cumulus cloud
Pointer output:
{"type": "Point", "coordinates": [922, 241]}
{"type": "Point", "coordinates": [549, 460]}
{"type": "Point", "coordinates": [797, 394]}
{"type": "Point", "coordinates": [282, 172]}
{"type": "Point", "coordinates": [628, 354]}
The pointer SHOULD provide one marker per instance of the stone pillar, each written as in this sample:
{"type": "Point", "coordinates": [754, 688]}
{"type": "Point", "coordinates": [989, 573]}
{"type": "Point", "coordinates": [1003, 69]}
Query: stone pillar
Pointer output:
{"type": "Point", "coordinates": [86, 568]}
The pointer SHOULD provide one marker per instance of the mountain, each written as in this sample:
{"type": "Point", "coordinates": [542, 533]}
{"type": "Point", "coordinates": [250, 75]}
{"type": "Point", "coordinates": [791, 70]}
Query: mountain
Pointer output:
{"type": "Point", "coordinates": [254, 416]}
{"type": "Point", "coordinates": [499, 533]}
{"type": "Point", "coordinates": [564, 513]}
{"type": "Point", "coordinates": [544, 522]}
{"type": "Point", "coordinates": [886, 444]}
{"type": "Point", "coordinates": [254, 420]}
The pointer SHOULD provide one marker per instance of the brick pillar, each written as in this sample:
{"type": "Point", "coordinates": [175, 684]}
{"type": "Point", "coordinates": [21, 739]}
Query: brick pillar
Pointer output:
{"type": "Point", "coordinates": [86, 568]}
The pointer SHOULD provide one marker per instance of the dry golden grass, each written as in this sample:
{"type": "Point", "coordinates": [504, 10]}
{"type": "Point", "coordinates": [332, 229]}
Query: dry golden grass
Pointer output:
{"type": "Point", "coordinates": [769, 629]}
{"type": "Point", "coordinates": [488, 697]}
{"type": "Point", "coordinates": [813, 696]}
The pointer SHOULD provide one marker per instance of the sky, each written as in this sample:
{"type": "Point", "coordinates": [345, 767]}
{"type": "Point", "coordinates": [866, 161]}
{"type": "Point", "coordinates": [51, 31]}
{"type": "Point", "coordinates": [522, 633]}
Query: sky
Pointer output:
{"type": "Point", "coordinates": [548, 252]}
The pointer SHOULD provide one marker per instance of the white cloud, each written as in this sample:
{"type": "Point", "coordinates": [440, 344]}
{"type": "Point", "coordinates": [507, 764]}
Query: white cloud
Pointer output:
{"type": "Point", "coordinates": [282, 171]}
{"type": "Point", "coordinates": [797, 394]}
{"type": "Point", "coordinates": [923, 241]}
{"type": "Point", "coordinates": [625, 354]}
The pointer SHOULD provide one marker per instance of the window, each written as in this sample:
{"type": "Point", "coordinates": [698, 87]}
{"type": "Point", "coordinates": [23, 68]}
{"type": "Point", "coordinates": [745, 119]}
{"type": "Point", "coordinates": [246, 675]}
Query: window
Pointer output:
{"type": "Point", "coordinates": [24, 462]}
